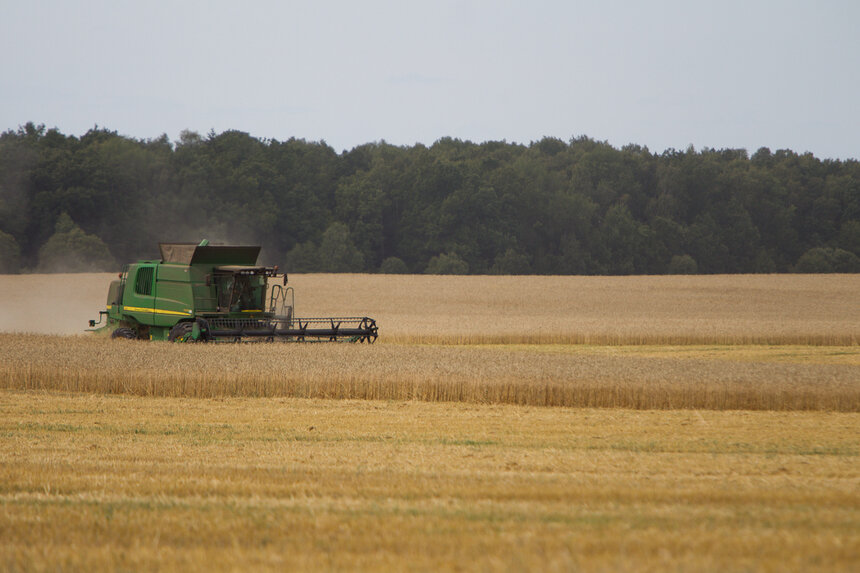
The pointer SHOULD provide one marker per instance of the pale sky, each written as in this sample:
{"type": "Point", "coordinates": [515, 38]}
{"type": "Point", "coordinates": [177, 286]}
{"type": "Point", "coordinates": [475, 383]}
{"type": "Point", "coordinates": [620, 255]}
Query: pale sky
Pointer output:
{"type": "Point", "coordinates": [659, 73]}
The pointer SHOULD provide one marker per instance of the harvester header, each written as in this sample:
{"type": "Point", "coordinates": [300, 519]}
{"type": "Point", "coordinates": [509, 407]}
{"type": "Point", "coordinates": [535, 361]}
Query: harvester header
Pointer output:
{"type": "Point", "coordinates": [203, 292]}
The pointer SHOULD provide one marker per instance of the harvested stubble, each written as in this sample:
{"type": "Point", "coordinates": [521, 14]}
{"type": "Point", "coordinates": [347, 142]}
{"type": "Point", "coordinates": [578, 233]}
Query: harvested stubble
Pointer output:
{"type": "Point", "coordinates": [94, 482]}
{"type": "Point", "coordinates": [427, 373]}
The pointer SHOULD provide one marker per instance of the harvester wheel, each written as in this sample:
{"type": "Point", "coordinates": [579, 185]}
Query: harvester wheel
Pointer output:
{"type": "Point", "coordinates": [181, 332]}
{"type": "Point", "coordinates": [124, 332]}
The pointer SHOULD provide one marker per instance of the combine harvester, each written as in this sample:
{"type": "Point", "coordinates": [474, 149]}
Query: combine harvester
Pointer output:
{"type": "Point", "coordinates": [203, 293]}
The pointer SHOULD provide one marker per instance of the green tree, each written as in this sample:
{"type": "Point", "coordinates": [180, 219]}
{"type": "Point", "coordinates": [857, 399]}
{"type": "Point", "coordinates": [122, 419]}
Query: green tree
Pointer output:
{"type": "Point", "coordinates": [10, 254]}
{"type": "Point", "coordinates": [706, 246]}
{"type": "Point", "coordinates": [849, 237]}
{"type": "Point", "coordinates": [447, 264]}
{"type": "Point", "coordinates": [827, 260]}
{"type": "Point", "coordinates": [683, 265]}
{"type": "Point", "coordinates": [71, 250]}
{"type": "Point", "coordinates": [512, 262]}
{"type": "Point", "coordinates": [575, 259]}
{"type": "Point", "coordinates": [763, 262]}
{"type": "Point", "coordinates": [303, 258]}
{"type": "Point", "coordinates": [845, 261]}
{"type": "Point", "coordinates": [628, 241]}
{"type": "Point", "coordinates": [337, 252]}
{"type": "Point", "coordinates": [580, 206]}
{"type": "Point", "coordinates": [393, 266]}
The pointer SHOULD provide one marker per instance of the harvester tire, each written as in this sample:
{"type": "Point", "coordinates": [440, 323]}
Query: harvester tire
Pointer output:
{"type": "Point", "coordinates": [123, 332]}
{"type": "Point", "coordinates": [181, 332]}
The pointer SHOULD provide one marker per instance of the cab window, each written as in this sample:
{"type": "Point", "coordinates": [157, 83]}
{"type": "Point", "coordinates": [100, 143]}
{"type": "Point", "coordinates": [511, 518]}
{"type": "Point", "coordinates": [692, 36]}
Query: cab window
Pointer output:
{"type": "Point", "coordinates": [143, 281]}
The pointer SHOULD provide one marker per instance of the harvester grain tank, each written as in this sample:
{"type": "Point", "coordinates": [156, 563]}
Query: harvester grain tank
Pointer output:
{"type": "Point", "coordinates": [203, 292]}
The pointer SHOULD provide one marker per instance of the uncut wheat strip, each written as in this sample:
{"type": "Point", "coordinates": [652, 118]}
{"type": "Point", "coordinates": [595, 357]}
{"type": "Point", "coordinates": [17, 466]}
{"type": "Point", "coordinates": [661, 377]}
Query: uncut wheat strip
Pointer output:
{"type": "Point", "coordinates": [425, 373]}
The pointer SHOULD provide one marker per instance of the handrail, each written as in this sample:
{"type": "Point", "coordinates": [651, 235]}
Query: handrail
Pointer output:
{"type": "Point", "coordinates": [279, 294]}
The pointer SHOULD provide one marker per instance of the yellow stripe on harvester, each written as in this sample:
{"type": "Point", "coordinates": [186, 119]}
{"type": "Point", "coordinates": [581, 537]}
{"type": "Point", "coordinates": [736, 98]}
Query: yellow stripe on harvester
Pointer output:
{"type": "Point", "coordinates": [158, 311]}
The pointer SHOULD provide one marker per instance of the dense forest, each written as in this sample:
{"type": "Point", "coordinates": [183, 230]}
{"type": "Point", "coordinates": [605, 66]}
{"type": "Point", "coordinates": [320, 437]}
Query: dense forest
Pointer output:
{"type": "Point", "coordinates": [551, 207]}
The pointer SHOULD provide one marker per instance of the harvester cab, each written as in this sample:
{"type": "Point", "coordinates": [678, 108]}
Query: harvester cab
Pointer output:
{"type": "Point", "coordinates": [203, 292]}
{"type": "Point", "coordinates": [241, 289]}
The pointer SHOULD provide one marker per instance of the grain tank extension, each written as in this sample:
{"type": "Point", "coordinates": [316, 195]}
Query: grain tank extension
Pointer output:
{"type": "Point", "coordinates": [202, 292]}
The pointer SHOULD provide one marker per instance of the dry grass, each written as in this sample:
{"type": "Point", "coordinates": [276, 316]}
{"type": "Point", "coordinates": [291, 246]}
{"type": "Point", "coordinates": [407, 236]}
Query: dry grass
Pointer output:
{"type": "Point", "coordinates": [532, 375]}
{"type": "Point", "coordinates": [736, 309]}
{"type": "Point", "coordinates": [93, 482]}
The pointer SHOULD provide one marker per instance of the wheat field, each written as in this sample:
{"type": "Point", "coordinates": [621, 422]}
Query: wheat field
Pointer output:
{"type": "Point", "coordinates": [499, 423]}
{"type": "Point", "coordinates": [112, 482]}
{"type": "Point", "coordinates": [714, 309]}
{"type": "Point", "coordinates": [517, 340]}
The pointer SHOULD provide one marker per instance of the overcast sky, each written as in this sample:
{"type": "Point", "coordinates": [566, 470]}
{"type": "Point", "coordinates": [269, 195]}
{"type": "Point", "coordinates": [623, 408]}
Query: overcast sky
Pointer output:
{"type": "Point", "coordinates": [666, 74]}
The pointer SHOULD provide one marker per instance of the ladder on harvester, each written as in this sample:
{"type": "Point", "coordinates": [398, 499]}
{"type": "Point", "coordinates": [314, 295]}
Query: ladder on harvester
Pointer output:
{"type": "Point", "coordinates": [278, 306]}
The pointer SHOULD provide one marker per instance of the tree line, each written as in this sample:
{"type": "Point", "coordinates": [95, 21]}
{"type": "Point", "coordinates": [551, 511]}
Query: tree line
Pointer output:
{"type": "Point", "coordinates": [551, 207]}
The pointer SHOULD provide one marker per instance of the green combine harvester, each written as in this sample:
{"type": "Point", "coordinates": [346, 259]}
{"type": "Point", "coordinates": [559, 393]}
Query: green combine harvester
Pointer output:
{"type": "Point", "coordinates": [208, 293]}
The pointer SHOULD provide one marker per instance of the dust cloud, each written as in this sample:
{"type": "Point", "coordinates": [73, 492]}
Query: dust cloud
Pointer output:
{"type": "Point", "coordinates": [52, 303]}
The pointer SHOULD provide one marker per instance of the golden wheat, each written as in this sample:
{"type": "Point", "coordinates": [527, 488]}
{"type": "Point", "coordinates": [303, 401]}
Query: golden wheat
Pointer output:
{"type": "Point", "coordinates": [428, 373]}
{"type": "Point", "coordinates": [717, 309]}
{"type": "Point", "coordinates": [735, 309]}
